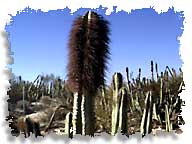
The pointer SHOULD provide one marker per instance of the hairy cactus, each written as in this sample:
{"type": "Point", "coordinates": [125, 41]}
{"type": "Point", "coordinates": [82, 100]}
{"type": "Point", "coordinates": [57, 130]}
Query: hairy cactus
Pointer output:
{"type": "Point", "coordinates": [88, 54]}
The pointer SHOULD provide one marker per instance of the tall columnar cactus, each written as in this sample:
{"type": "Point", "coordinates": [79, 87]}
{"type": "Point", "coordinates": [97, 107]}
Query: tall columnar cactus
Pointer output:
{"type": "Point", "coordinates": [117, 84]}
{"type": "Point", "coordinates": [102, 89]}
{"type": "Point", "coordinates": [161, 90]}
{"type": "Point", "coordinates": [156, 69]}
{"type": "Point", "coordinates": [166, 79]}
{"type": "Point", "coordinates": [24, 98]}
{"type": "Point", "coordinates": [167, 119]}
{"type": "Point", "coordinates": [139, 76]}
{"type": "Point", "coordinates": [169, 71]}
{"type": "Point", "coordinates": [138, 93]}
{"type": "Point", "coordinates": [130, 93]}
{"type": "Point", "coordinates": [51, 89]}
{"type": "Point", "coordinates": [146, 123]}
{"type": "Point", "coordinates": [88, 54]}
{"type": "Point", "coordinates": [152, 71]}
{"type": "Point", "coordinates": [68, 125]}
{"type": "Point", "coordinates": [29, 91]}
{"type": "Point", "coordinates": [57, 87]}
{"type": "Point", "coordinates": [154, 112]}
{"type": "Point", "coordinates": [136, 102]}
{"type": "Point", "coordinates": [123, 111]}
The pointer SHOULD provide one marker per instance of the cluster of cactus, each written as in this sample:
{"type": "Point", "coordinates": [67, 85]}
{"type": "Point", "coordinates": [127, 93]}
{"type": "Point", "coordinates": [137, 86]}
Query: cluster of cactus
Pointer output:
{"type": "Point", "coordinates": [162, 101]}
{"type": "Point", "coordinates": [155, 99]}
{"type": "Point", "coordinates": [45, 86]}
{"type": "Point", "coordinates": [41, 86]}
{"type": "Point", "coordinates": [150, 99]}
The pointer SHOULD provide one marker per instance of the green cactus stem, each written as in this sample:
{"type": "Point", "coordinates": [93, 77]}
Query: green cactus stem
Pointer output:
{"type": "Point", "coordinates": [69, 125]}
{"type": "Point", "coordinates": [161, 90]}
{"type": "Point", "coordinates": [130, 93]}
{"type": "Point", "coordinates": [156, 69]}
{"type": "Point", "coordinates": [88, 114]}
{"type": "Point", "coordinates": [23, 98]}
{"type": "Point", "coordinates": [123, 117]}
{"type": "Point", "coordinates": [136, 103]}
{"type": "Point", "coordinates": [117, 84]}
{"type": "Point", "coordinates": [152, 73]}
{"type": "Point", "coordinates": [167, 119]}
{"type": "Point", "coordinates": [154, 112]}
{"type": "Point", "coordinates": [146, 122]}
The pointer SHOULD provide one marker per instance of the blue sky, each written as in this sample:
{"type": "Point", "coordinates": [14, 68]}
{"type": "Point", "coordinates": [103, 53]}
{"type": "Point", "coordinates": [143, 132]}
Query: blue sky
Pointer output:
{"type": "Point", "coordinates": [39, 41]}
